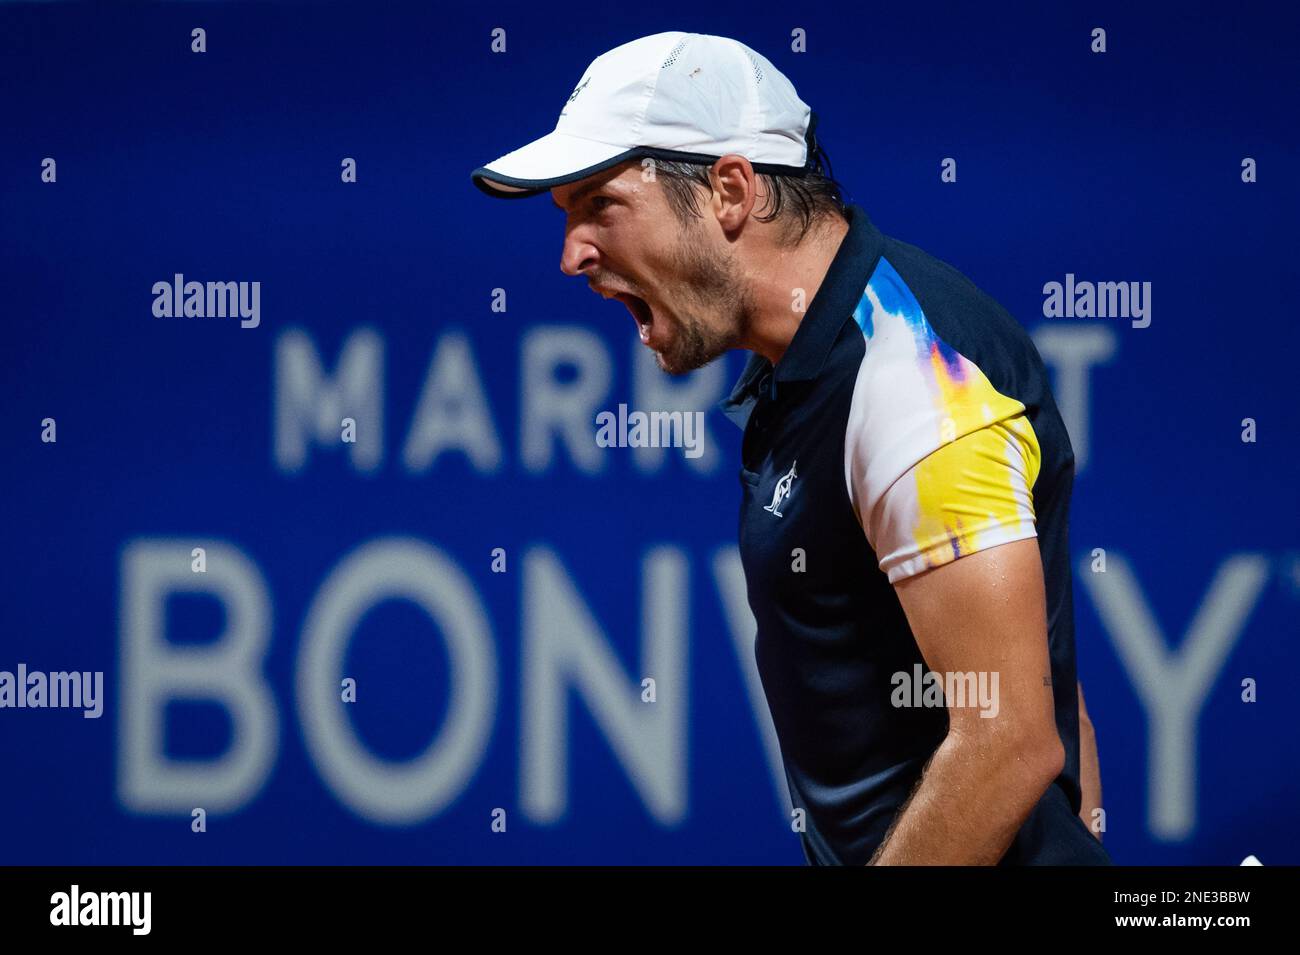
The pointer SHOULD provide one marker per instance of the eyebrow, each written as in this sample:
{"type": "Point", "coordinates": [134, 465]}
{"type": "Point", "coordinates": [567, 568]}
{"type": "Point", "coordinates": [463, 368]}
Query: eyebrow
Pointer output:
{"type": "Point", "coordinates": [578, 194]}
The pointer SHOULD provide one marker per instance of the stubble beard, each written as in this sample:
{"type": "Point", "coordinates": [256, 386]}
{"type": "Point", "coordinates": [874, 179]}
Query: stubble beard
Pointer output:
{"type": "Point", "coordinates": [713, 290]}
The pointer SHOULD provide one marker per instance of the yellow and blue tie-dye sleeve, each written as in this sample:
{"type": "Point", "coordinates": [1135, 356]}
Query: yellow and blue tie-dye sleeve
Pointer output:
{"type": "Point", "coordinates": [938, 462]}
{"type": "Point", "coordinates": [966, 496]}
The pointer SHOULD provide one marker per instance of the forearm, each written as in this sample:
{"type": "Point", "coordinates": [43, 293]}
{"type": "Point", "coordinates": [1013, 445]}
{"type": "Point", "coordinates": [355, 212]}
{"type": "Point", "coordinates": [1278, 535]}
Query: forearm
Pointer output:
{"type": "Point", "coordinates": [973, 797]}
{"type": "Point", "coordinates": [1089, 772]}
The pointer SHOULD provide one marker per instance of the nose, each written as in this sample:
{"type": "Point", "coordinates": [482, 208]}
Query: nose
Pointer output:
{"type": "Point", "coordinates": [578, 255]}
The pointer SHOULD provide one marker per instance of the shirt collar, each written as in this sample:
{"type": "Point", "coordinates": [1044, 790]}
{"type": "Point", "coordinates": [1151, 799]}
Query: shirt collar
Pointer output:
{"type": "Point", "coordinates": [836, 298]}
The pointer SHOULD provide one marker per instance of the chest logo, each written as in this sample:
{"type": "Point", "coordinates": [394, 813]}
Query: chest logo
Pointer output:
{"type": "Point", "coordinates": [782, 491]}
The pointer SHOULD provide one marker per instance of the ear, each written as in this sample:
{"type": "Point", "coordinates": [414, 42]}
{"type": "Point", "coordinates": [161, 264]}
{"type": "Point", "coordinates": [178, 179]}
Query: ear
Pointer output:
{"type": "Point", "coordinates": [735, 190]}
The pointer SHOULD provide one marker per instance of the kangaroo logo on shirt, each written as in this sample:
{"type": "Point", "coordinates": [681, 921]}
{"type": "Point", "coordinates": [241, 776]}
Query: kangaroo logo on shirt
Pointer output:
{"type": "Point", "coordinates": [782, 491]}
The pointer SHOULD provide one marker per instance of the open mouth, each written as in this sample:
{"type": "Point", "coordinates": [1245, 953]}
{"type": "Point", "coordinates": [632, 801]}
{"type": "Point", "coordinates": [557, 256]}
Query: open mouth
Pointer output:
{"type": "Point", "coordinates": [640, 311]}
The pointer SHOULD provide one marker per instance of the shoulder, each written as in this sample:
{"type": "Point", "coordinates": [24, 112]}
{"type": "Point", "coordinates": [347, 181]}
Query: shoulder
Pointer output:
{"type": "Point", "coordinates": [914, 391]}
{"type": "Point", "coordinates": [926, 426]}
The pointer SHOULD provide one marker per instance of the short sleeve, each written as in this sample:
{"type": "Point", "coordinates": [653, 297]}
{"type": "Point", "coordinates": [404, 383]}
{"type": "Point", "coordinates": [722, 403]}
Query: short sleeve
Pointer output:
{"type": "Point", "coordinates": [966, 496]}
{"type": "Point", "coordinates": [938, 463]}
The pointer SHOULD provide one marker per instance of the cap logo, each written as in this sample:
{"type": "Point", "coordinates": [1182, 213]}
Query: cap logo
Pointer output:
{"type": "Point", "coordinates": [578, 89]}
{"type": "Point", "coordinates": [574, 95]}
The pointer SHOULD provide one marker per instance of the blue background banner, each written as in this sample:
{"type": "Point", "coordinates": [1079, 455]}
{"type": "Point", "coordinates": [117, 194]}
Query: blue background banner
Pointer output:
{"type": "Point", "coordinates": [515, 693]}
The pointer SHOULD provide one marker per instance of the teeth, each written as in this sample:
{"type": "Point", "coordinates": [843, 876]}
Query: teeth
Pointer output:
{"type": "Point", "coordinates": [636, 306]}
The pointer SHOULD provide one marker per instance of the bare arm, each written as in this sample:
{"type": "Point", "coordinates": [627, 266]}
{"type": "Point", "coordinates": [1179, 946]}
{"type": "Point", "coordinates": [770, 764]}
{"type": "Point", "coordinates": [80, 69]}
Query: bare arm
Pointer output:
{"type": "Point", "coordinates": [1089, 770]}
{"type": "Point", "coordinates": [985, 612]}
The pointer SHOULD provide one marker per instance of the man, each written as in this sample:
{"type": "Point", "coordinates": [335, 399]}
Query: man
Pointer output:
{"type": "Point", "coordinates": [906, 475]}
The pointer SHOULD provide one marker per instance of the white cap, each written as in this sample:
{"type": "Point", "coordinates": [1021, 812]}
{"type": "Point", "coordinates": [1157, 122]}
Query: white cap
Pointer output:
{"type": "Point", "coordinates": [671, 96]}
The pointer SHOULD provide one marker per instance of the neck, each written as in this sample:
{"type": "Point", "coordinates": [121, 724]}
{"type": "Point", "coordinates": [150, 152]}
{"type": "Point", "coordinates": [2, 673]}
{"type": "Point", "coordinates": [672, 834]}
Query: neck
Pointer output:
{"type": "Point", "coordinates": [773, 320]}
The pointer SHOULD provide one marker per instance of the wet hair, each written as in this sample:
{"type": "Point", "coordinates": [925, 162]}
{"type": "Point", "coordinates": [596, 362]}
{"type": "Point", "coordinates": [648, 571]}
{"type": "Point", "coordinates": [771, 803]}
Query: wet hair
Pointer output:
{"type": "Point", "coordinates": [797, 202]}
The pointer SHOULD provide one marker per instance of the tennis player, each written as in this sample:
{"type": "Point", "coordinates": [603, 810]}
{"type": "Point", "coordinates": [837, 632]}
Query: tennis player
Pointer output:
{"type": "Point", "coordinates": [905, 472]}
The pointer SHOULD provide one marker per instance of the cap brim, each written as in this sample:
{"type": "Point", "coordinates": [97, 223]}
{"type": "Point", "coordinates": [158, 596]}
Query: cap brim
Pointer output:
{"type": "Point", "coordinates": [555, 159]}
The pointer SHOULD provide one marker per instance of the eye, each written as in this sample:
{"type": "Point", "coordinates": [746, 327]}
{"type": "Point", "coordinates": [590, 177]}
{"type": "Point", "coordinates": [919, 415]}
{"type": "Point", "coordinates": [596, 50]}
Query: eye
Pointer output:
{"type": "Point", "coordinates": [600, 203]}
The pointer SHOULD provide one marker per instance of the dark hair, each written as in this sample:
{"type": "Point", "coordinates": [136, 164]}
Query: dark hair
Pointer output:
{"type": "Point", "coordinates": [803, 199]}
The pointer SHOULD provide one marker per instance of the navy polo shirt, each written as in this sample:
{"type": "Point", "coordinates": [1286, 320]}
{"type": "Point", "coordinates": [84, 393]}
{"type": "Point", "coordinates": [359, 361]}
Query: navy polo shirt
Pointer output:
{"type": "Point", "coordinates": [909, 423]}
